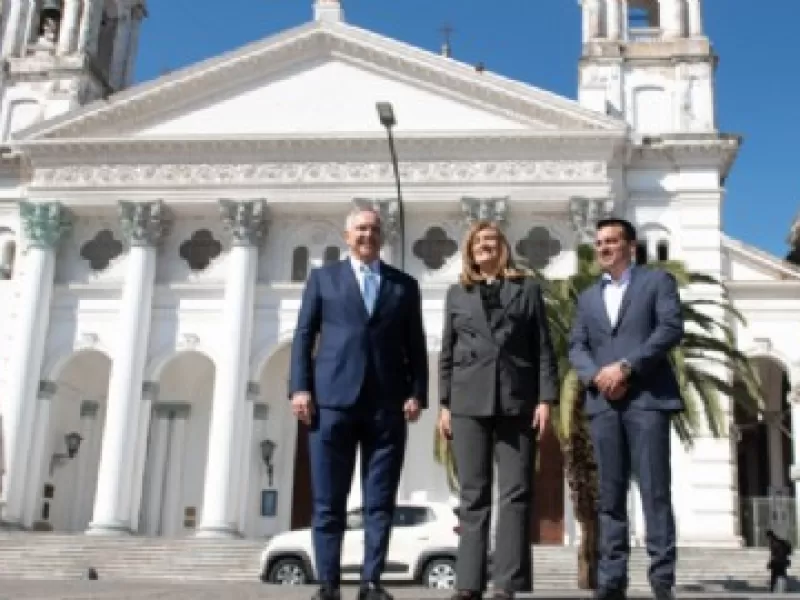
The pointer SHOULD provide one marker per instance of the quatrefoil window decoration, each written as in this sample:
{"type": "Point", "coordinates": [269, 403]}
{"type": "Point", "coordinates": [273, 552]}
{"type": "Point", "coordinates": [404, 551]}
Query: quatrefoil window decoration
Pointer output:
{"type": "Point", "coordinates": [538, 247]}
{"type": "Point", "coordinates": [101, 250]}
{"type": "Point", "coordinates": [200, 249]}
{"type": "Point", "coordinates": [434, 248]}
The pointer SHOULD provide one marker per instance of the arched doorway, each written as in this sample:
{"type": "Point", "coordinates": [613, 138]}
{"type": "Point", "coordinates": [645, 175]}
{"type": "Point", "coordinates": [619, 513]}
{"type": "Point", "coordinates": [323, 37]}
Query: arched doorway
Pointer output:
{"type": "Point", "coordinates": [177, 449]}
{"type": "Point", "coordinates": [764, 457]}
{"type": "Point", "coordinates": [287, 493]}
{"type": "Point", "coordinates": [70, 418]}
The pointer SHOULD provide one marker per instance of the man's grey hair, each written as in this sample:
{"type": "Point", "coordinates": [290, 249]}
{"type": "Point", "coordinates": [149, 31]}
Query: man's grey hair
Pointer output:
{"type": "Point", "coordinates": [357, 210]}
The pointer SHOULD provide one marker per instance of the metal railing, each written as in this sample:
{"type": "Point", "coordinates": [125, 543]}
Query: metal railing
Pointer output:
{"type": "Point", "coordinates": [762, 513]}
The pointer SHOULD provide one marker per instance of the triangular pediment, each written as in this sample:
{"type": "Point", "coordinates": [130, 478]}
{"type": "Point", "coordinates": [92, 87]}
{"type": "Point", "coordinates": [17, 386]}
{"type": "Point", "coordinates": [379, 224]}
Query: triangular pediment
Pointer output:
{"type": "Point", "coordinates": [747, 263]}
{"type": "Point", "coordinates": [324, 77]}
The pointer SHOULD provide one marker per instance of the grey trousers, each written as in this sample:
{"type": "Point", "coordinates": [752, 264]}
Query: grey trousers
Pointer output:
{"type": "Point", "coordinates": [477, 443]}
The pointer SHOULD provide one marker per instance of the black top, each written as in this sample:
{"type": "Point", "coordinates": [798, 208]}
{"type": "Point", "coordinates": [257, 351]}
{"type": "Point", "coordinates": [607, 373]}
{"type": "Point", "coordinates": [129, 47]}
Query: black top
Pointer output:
{"type": "Point", "coordinates": [490, 297]}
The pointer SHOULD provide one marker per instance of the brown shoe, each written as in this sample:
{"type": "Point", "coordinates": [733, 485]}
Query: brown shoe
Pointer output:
{"type": "Point", "coordinates": [467, 595]}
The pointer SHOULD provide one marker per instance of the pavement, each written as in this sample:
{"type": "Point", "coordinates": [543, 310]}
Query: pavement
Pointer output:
{"type": "Point", "coordinates": [117, 590]}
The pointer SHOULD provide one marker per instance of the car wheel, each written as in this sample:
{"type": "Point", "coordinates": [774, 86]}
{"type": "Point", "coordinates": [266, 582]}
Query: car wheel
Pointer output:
{"type": "Point", "coordinates": [440, 574]}
{"type": "Point", "coordinates": [289, 571]}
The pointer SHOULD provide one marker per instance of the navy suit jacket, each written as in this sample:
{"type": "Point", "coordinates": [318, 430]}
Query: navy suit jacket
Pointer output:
{"type": "Point", "coordinates": [650, 324]}
{"type": "Point", "coordinates": [334, 319]}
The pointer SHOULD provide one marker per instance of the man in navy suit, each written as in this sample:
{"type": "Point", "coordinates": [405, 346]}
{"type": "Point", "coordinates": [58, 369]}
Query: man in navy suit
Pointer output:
{"type": "Point", "coordinates": [625, 327]}
{"type": "Point", "coordinates": [366, 377]}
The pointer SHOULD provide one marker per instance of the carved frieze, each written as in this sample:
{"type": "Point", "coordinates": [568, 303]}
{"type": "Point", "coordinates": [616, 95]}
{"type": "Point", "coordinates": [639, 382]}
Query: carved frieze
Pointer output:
{"type": "Point", "coordinates": [292, 173]}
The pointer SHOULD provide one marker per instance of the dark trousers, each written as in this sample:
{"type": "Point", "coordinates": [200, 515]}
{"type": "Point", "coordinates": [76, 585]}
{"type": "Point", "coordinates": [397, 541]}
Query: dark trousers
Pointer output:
{"type": "Point", "coordinates": [334, 438]}
{"type": "Point", "coordinates": [477, 443]}
{"type": "Point", "coordinates": [637, 442]}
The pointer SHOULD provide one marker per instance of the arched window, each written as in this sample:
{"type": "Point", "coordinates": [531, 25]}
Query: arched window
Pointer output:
{"type": "Point", "coordinates": [332, 254]}
{"type": "Point", "coordinates": [662, 250]}
{"type": "Point", "coordinates": [643, 14]}
{"type": "Point", "coordinates": [8, 252]}
{"type": "Point", "coordinates": [300, 263]}
{"type": "Point", "coordinates": [641, 253]}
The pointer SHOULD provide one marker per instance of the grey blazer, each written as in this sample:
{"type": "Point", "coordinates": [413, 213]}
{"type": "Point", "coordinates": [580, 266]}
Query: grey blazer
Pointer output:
{"type": "Point", "coordinates": [503, 367]}
{"type": "Point", "coordinates": [650, 324]}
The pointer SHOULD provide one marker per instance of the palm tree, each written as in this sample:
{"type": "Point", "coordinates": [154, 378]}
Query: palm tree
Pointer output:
{"type": "Point", "coordinates": [708, 341]}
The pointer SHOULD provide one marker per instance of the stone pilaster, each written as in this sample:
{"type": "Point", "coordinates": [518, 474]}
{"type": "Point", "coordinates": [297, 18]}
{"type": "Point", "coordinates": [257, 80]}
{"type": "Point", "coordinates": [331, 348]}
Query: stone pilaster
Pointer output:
{"type": "Point", "coordinates": [45, 225]}
{"type": "Point", "coordinates": [232, 417]}
{"type": "Point", "coordinates": [144, 225]}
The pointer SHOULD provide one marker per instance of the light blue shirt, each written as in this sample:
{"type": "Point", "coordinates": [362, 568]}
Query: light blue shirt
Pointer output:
{"type": "Point", "coordinates": [614, 292]}
{"type": "Point", "coordinates": [375, 270]}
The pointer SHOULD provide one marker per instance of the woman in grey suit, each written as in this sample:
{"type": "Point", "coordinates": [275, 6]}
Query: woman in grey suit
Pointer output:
{"type": "Point", "coordinates": [498, 380]}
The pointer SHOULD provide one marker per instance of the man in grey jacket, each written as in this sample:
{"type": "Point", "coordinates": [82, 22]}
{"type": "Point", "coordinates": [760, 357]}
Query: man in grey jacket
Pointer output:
{"type": "Point", "coordinates": [625, 326]}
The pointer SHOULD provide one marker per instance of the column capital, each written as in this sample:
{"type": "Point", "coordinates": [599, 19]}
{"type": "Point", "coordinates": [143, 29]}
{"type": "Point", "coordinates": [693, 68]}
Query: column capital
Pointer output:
{"type": "Point", "coordinates": [247, 220]}
{"type": "Point", "coordinates": [45, 223]}
{"type": "Point", "coordinates": [47, 389]}
{"type": "Point", "coordinates": [584, 214]}
{"type": "Point", "coordinates": [484, 209]}
{"type": "Point", "coordinates": [389, 211]}
{"type": "Point", "coordinates": [144, 223]}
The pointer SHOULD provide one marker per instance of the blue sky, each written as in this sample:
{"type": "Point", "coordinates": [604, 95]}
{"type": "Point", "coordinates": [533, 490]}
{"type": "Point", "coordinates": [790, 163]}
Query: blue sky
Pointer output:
{"type": "Point", "coordinates": [538, 41]}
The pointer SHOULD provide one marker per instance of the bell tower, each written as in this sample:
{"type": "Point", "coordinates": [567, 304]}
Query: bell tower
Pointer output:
{"type": "Point", "coordinates": [60, 54]}
{"type": "Point", "coordinates": [648, 62]}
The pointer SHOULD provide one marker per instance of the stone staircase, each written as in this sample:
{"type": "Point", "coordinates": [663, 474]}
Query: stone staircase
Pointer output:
{"type": "Point", "coordinates": [55, 556]}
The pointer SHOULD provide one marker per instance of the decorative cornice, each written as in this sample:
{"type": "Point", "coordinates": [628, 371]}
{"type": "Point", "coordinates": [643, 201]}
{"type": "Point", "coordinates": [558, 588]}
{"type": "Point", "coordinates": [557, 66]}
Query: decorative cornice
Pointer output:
{"type": "Point", "coordinates": [425, 69]}
{"type": "Point", "coordinates": [313, 173]}
{"type": "Point", "coordinates": [715, 150]}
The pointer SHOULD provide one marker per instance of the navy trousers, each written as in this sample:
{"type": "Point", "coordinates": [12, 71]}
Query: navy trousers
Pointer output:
{"type": "Point", "coordinates": [631, 441]}
{"type": "Point", "coordinates": [334, 437]}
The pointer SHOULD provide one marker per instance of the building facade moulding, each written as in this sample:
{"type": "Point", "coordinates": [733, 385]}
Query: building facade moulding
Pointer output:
{"type": "Point", "coordinates": [314, 173]}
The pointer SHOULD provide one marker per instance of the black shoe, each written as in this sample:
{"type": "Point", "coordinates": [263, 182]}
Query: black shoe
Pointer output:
{"type": "Point", "coordinates": [613, 594]}
{"type": "Point", "coordinates": [502, 595]}
{"type": "Point", "coordinates": [373, 591]}
{"type": "Point", "coordinates": [466, 595]}
{"type": "Point", "coordinates": [663, 592]}
{"type": "Point", "coordinates": [327, 592]}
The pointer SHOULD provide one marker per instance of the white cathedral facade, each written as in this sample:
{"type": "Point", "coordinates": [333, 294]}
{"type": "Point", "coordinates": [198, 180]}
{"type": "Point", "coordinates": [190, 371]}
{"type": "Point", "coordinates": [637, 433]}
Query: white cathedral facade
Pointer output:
{"type": "Point", "coordinates": [155, 239]}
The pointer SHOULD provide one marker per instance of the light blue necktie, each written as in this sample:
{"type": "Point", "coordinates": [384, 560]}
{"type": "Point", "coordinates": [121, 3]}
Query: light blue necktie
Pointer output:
{"type": "Point", "coordinates": [370, 288]}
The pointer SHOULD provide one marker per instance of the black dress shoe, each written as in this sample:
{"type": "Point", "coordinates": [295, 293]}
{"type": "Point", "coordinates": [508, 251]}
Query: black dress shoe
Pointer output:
{"type": "Point", "coordinates": [663, 593]}
{"type": "Point", "coordinates": [466, 595]}
{"type": "Point", "coordinates": [373, 591]}
{"type": "Point", "coordinates": [502, 595]}
{"type": "Point", "coordinates": [610, 595]}
{"type": "Point", "coordinates": [327, 592]}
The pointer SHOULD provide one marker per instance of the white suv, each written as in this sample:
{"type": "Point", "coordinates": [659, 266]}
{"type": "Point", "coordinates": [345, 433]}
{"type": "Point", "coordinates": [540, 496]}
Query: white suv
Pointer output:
{"type": "Point", "coordinates": [422, 549]}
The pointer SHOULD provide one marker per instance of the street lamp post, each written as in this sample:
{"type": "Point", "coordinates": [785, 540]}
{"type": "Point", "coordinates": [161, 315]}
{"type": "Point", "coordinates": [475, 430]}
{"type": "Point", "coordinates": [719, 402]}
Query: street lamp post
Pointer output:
{"type": "Point", "coordinates": [387, 119]}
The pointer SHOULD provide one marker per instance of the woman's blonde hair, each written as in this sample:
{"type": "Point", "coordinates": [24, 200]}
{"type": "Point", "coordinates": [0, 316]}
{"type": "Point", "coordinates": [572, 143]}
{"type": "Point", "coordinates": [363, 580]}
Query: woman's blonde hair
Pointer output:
{"type": "Point", "coordinates": [470, 273]}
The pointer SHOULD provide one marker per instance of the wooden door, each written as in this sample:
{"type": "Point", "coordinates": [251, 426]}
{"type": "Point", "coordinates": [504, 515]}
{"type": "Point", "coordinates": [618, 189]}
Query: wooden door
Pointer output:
{"type": "Point", "coordinates": [301, 488]}
{"type": "Point", "coordinates": [547, 523]}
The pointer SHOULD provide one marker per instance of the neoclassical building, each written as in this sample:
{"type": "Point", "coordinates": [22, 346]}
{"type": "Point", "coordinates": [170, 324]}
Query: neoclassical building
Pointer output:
{"type": "Point", "coordinates": [155, 239]}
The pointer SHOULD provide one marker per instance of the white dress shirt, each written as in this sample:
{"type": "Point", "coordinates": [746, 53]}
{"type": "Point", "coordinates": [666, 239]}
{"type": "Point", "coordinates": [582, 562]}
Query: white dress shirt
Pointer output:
{"type": "Point", "coordinates": [613, 293]}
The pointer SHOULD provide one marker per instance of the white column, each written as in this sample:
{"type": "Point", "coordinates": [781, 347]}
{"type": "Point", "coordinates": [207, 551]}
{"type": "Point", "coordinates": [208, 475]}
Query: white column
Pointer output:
{"type": "Point", "coordinates": [671, 18]}
{"type": "Point", "coordinates": [69, 26]}
{"type": "Point", "coordinates": [144, 225]}
{"type": "Point", "coordinates": [695, 18]}
{"type": "Point", "coordinates": [119, 59]}
{"type": "Point", "coordinates": [84, 476]}
{"type": "Point", "coordinates": [246, 221]}
{"type": "Point", "coordinates": [90, 25]}
{"type": "Point", "coordinates": [13, 25]}
{"type": "Point", "coordinates": [794, 399]}
{"type": "Point", "coordinates": [613, 19]}
{"type": "Point", "coordinates": [44, 224]}
{"type": "Point", "coordinates": [250, 452]}
{"type": "Point", "coordinates": [591, 20]}
{"type": "Point", "coordinates": [137, 15]}
{"type": "Point", "coordinates": [41, 453]}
